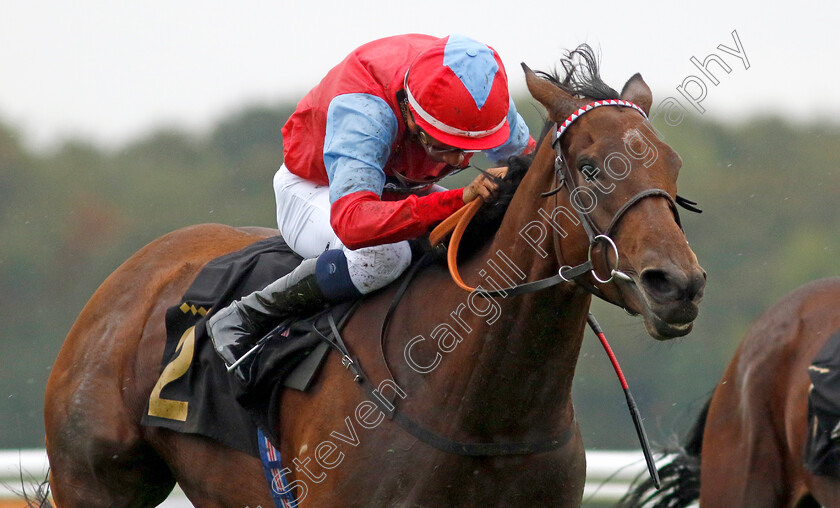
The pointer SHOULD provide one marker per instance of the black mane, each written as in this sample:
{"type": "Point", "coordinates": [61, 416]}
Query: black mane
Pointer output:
{"type": "Point", "coordinates": [489, 217]}
{"type": "Point", "coordinates": [581, 75]}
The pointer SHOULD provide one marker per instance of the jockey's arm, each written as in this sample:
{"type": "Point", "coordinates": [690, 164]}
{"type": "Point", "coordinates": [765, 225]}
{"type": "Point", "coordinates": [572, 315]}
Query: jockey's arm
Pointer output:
{"type": "Point", "coordinates": [360, 131]}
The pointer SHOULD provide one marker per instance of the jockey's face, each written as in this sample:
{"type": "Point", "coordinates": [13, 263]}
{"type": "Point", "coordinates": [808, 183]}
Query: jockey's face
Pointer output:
{"type": "Point", "coordinates": [441, 152]}
{"type": "Point", "coordinates": [438, 151]}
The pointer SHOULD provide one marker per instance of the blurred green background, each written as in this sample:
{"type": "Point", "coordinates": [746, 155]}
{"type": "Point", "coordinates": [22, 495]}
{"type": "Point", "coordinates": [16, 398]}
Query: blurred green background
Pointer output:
{"type": "Point", "coordinates": [69, 215]}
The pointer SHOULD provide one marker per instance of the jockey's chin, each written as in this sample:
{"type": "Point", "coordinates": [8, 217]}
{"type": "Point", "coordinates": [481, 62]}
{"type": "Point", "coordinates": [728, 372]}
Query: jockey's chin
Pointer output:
{"type": "Point", "coordinates": [454, 159]}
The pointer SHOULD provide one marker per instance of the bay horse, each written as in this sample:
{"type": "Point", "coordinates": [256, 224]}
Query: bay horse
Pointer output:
{"type": "Point", "coordinates": [493, 372]}
{"type": "Point", "coordinates": [747, 447]}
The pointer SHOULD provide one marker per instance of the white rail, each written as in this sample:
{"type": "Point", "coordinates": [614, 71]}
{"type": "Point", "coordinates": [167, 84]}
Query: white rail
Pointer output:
{"type": "Point", "coordinates": [609, 475]}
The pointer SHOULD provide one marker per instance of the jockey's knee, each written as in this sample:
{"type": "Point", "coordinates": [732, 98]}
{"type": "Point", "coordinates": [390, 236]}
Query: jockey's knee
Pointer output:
{"type": "Point", "coordinates": [375, 267]}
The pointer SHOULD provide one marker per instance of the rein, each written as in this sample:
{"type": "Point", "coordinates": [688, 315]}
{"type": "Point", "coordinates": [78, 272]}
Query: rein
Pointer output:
{"type": "Point", "coordinates": [457, 224]}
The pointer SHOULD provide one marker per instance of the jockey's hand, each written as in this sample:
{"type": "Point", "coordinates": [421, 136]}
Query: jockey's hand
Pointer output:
{"type": "Point", "coordinates": [484, 187]}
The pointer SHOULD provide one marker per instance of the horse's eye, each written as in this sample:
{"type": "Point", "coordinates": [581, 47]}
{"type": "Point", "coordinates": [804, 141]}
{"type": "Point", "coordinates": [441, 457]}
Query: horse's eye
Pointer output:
{"type": "Point", "coordinates": [589, 171]}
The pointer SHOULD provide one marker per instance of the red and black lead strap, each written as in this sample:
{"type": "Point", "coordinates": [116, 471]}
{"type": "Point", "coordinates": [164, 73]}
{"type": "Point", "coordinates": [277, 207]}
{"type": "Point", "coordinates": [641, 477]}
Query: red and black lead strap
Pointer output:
{"type": "Point", "coordinates": [631, 403]}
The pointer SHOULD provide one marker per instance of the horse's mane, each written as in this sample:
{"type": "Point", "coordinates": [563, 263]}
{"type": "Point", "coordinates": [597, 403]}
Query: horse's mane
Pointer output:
{"type": "Point", "coordinates": [489, 217]}
{"type": "Point", "coordinates": [580, 77]}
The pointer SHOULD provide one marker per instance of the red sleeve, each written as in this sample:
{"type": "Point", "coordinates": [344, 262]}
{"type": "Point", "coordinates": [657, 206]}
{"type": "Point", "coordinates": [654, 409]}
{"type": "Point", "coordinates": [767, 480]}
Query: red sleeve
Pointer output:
{"type": "Point", "coordinates": [361, 219]}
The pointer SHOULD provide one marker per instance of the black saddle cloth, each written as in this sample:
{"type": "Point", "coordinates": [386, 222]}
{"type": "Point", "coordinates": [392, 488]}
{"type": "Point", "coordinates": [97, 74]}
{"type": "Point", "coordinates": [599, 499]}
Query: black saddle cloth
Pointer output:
{"type": "Point", "coordinates": [195, 394]}
{"type": "Point", "coordinates": [822, 452]}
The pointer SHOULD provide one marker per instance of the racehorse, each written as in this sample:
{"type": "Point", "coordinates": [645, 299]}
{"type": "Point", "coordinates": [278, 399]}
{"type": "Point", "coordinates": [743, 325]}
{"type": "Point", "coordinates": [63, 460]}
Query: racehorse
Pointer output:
{"type": "Point", "coordinates": [750, 437]}
{"type": "Point", "coordinates": [489, 373]}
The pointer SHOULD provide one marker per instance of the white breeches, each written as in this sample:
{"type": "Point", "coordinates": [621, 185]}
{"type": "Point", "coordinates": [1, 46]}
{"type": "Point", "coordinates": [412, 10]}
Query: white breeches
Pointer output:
{"type": "Point", "coordinates": [303, 217]}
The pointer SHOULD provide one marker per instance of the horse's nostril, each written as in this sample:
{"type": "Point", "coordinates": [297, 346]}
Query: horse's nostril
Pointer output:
{"type": "Point", "coordinates": [696, 285]}
{"type": "Point", "coordinates": [664, 285]}
{"type": "Point", "coordinates": [659, 285]}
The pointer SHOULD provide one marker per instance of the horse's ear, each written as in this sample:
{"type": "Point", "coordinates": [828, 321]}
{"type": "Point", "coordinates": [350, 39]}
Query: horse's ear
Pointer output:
{"type": "Point", "coordinates": [637, 92]}
{"type": "Point", "coordinates": [558, 103]}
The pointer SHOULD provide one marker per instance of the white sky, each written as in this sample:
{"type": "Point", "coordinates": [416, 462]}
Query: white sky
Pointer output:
{"type": "Point", "coordinates": [110, 71]}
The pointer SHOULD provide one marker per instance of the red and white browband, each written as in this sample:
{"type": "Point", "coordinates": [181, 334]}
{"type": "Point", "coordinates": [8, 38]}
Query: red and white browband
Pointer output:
{"type": "Point", "coordinates": [592, 105]}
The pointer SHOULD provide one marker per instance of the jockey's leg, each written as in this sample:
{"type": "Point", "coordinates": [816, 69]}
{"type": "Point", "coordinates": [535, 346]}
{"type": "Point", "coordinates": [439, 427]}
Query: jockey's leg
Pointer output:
{"type": "Point", "coordinates": [334, 276]}
{"type": "Point", "coordinates": [303, 214]}
{"type": "Point", "coordinates": [372, 268]}
{"type": "Point", "coordinates": [325, 276]}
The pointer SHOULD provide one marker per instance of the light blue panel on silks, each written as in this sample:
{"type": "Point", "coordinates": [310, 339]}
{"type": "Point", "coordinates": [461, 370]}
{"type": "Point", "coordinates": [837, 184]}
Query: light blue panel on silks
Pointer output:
{"type": "Point", "coordinates": [473, 63]}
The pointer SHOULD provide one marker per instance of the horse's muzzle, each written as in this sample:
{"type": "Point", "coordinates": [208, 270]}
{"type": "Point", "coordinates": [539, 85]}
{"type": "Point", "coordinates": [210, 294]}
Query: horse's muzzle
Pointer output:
{"type": "Point", "coordinates": [672, 296]}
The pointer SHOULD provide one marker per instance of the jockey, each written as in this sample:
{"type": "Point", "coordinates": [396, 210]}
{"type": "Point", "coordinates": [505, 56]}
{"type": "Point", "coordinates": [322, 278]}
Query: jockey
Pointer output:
{"type": "Point", "coordinates": [362, 153]}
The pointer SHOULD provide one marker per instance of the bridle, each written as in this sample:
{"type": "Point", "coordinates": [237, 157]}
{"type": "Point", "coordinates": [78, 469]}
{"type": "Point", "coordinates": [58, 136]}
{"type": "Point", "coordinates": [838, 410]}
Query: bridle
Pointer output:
{"type": "Point", "coordinates": [564, 178]}
{"type": "Point", "coordinates": [564, 174]}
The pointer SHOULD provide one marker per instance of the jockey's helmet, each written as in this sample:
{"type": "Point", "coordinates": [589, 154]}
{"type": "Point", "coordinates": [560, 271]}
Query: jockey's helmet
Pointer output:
{"type": "Point", "coordinates": [457, 90]}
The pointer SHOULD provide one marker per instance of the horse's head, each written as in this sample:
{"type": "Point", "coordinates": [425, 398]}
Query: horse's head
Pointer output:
{"type": "Point", "coordinates": [621, 181]}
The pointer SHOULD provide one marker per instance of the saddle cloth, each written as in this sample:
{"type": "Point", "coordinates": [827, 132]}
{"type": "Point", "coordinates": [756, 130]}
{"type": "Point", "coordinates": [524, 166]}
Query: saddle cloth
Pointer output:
{"type": "Point", "coordinates": [822, 452]}
{"type": "Point", "coordinates": [195, 394]}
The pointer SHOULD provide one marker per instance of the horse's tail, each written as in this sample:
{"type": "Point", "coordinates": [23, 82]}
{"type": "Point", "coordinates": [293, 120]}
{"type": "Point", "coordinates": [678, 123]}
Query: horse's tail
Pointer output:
{"type": "Point", "coordinates": [680, 477]}
{"type": "Point", "coordinates": [40, 498]}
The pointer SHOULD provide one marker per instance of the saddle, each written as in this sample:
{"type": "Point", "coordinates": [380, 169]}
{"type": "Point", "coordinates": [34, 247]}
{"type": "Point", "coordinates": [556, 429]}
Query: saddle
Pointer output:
{"type": "Point", "coordinates": [822, 451]}
{"type": "Point", "coordinates": [195, 394]}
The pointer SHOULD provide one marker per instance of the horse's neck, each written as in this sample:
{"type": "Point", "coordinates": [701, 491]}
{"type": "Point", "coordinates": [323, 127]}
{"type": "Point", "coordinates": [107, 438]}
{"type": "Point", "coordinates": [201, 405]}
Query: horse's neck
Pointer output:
{"type": "Point", "coordinates": [524, 359]}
